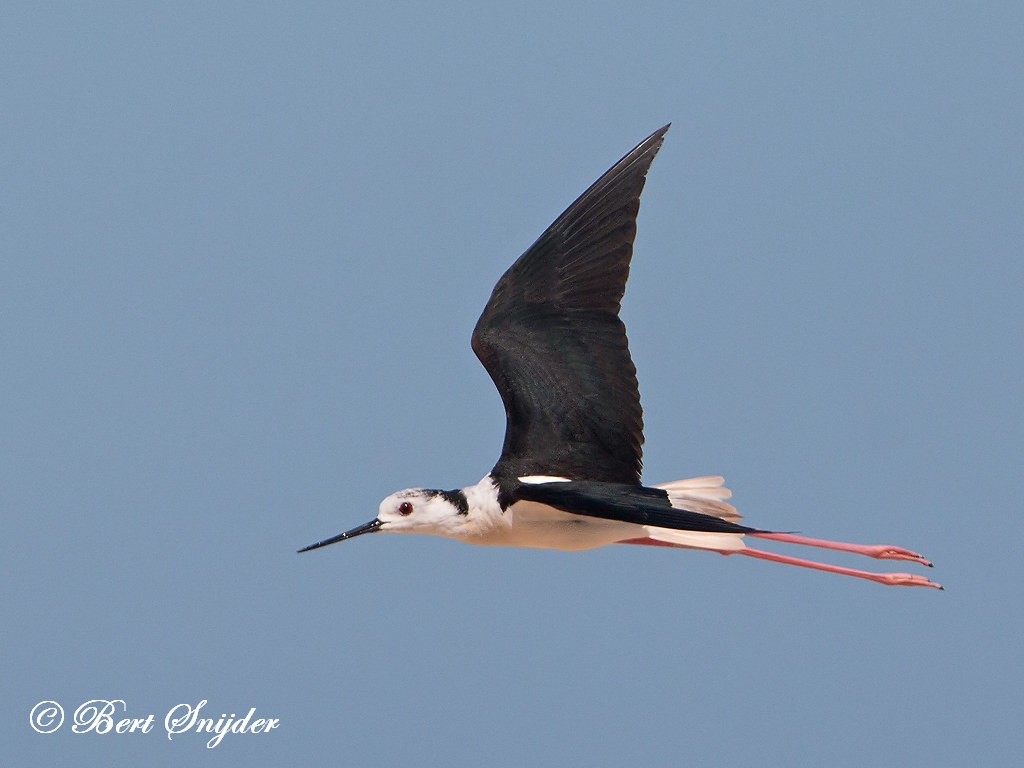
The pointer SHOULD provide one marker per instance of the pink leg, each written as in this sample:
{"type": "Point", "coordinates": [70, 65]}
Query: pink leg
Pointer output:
{"type": "Point", "coordinates": [889, 579]}
{"type": "Point", "coordinates": [879, 551]}
{"type": "Point", "coordinates": [656, 543]}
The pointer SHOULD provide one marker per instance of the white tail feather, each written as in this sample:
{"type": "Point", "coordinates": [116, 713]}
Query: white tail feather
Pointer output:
{"type": "Point", "coordinates": [702, 494]}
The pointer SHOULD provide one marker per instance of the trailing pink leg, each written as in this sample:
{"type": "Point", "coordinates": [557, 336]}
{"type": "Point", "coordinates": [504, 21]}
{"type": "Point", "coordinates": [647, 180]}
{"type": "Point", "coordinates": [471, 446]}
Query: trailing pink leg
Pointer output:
{"type": "Point", "coordinates": [878, 551]}
{"type": "Point", "coordinates": [889, 579]}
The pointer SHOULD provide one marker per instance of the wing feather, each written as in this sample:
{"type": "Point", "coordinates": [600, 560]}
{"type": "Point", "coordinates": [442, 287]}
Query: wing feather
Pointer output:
{"type": "Point", "coordinates": [551, 339]}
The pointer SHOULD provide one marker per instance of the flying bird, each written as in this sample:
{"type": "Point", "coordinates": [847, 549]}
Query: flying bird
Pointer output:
{"type": "Point", "coordinates": [569, 473]}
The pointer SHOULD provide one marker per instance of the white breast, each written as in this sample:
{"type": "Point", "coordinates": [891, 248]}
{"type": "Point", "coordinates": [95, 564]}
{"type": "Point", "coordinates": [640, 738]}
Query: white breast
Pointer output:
{"type": "Point", "coordinates": [529, 524]}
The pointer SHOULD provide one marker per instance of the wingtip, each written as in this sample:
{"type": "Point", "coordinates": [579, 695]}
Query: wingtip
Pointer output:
{"type": "Point", "coordinates": [649, 145]}
{"type": "Point", "coordinates": [658, 136]}
{"type": "Point", "coordinates": [641, 155]}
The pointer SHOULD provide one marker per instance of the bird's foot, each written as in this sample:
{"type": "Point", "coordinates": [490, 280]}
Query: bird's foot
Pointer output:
{"type": "Point", "coordinates": [887, 552]}
{"type": "Point", "coordinates": [906, 580]}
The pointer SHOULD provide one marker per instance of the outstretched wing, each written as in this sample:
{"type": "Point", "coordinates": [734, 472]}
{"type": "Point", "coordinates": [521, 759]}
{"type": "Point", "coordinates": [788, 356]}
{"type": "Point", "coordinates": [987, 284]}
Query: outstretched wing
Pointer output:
{"type": "Point", "coordinates": [551, 339]}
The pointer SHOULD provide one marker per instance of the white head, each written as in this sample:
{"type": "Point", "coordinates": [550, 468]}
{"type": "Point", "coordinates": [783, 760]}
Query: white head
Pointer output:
{"type": "Point", "coordinates": [414, 510]}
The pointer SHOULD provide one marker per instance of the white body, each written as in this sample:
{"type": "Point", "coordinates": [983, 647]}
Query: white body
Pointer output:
{"type": "Point", "coordinates": [538, 526]}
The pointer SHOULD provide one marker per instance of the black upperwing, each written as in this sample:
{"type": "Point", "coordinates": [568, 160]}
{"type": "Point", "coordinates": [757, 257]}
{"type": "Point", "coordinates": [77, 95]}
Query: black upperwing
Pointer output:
{"type": "Point", "coordinates": [551, 339]}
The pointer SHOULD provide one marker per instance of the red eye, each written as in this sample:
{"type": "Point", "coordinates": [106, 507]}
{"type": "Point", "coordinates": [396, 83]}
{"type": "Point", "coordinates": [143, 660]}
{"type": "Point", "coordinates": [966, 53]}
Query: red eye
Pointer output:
{"type": "Point", "coordinates": [405, 508]}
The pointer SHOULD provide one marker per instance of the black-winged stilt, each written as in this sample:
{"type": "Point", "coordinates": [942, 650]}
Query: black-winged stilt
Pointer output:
{"type": "Point", "coordinates": [569, 473]}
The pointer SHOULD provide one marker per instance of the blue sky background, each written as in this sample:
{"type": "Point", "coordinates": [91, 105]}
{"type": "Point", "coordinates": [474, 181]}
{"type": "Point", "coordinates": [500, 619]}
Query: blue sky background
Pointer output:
{"type": "Point", "coordinates": [242, 248]}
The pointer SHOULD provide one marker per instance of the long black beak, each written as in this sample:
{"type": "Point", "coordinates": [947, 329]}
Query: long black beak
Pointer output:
{"type": "Point", "coordinates": [370, 527]}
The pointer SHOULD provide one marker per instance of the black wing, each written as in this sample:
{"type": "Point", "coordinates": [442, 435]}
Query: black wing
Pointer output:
{"type": "Point", "coordinates": [551, 339]}
{"type": "Point", "coordinates": [629, 503]}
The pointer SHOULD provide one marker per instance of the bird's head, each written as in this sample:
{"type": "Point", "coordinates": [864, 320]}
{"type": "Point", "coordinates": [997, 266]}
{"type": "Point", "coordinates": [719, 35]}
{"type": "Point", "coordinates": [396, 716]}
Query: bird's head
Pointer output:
{"type": "Point", "coordinates": [414, 510]}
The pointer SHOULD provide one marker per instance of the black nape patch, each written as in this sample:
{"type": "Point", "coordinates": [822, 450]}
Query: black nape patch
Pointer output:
{"type": "Point", "coordinates": [456, 498]}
